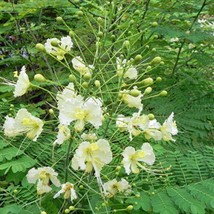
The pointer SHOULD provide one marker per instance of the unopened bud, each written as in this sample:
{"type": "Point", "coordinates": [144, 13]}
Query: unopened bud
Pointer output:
{"type": "Point", "coordinates": [162, 63]}
{"type": "Point", "coordinates": [138, 58]}
{"type": "Point", "coordinates": [67, 211]}
{"type": "Point", "coordinates": [15, 191]}
{"type": "Point", "coordinates": [59, 19]}
{"type": "Point", "coordinates": [51, 111]}
{"type": "Point", "coordinates": [163, 93]}
{"type": "Point", "coordinates": [148, 68]}
{"type": "Point", "coordinates": [87, 76]}
{"type": "Point", "coordinates": [97, 83]}
{"type": "Point", "coordinates": [43, 212]}
{"type": "Point", "coordinates": [81, 187]}
{"type": "Point", "coordinates": [130, 207]}
{"type": "Point", "coordinates": [147, 81]}
{"type": "Point", "coordinates": [131, 22]}
{"type": "Point", "coordinates": [137, 12]}
{"type": "Point", "coordinates": [85, 85]}
{"type": "Point", "coordinates": [158, 79]}
{"type": "Point", "coordinates": [71, 33]}
{"type": "Point", "coordinates": [72, 78]}
{"type": "Point", "coordinates": [148, 90]}
{"type": "Point", "coordinates": [126, 44]}
{"type": "Point", "coordinates": [134, 93]}
{"type": "Point", "coordinates": [154, 24]}
{"type": "Point", "coordinates": [156, 60]}
{"type": "Point", "coordinates": [39, 78]}
{"type": "Point", "coordinates": [55, 42]}
{"type": "Point", "coordinates": [118, 168]}
{"type": "Point", "coordinates": [154, 50]}
{"type": "Point", "coordinates": [100, 20]}
{"type": "Point", "coordinates": [79, 13]}
{"type": "Point", "coordinates": [40, 47]}
{"type": "Point", "coordinates": [137, 195]}
{"type": "Point", "coordinates": [100, 34]}
{"type": "Point", "coordinates": [72, 208]}
{"type": "Point", "coordinates": [151, 116]}
{"type": "Point", "coordinates": [147, 46]}
{"type": "Point", "coordinates": [155, 36]}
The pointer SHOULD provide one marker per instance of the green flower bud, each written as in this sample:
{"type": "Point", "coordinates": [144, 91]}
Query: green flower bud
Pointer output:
{"type": "Point", "coordinates": [163, 93]}
{"type": "Point", "coordinates": [43, 212]}
{"type": "Point", "coordinates": [126, 44]}
{"type": "Point", "coordinates": [154, 24]}
{"type": "Point", "coordinates": [55, 42]}
{"type": "Point", "coordinates": [15, 191]}
{"type": "Point", "coordinates": [151, 116]}
{"type": "Point", "coordinates": [100, 20]}
{"type": "Point", "coordinates": [81, 186]}
{"type": "Point", "coordinates": [138, 58]}
{"type": "Point", "coordinates": [79, 13]}
{"type": "Point", "coordinates": [76, 1]}
{"type": "Point", "coordinates": [156, 60]}
{"type": "Point", "coordinates": [148, 90]}
{"type": "Point", "coordinates": [162, 63]}
{"type": "Point", "coordinates": [100, 34]}
{"type": "Point", "coordinates": [87, 76]}
{"type": "Point", "coordinates": [51, 111]}
{"type": "Point", "coordinates": [134, 93]}
{"type": "Point", "coordinates": [155, 36]}
{"type": "Point", "coordinates": [11, 106]}
{"type": "Point", "coordinates": [40, 47]}
{"type": "Point", "coordinates": [137, 195]}
{"type": "Point", "coordinates": [72, 78]}
{"type": "Point", "coordinates": [137, 12]}
{"type": "Point", "coordinates": [129, 208]}
{"type": "Point", "coordinates": [118, 168]}
{"type": "Point", "coordinates": [71, 33]}
{"type": "Point", "coordinates": [67, 211]}
{"type": "Point", "coordinates": [147, 46]}
{"type": "Point", "coordinates": [113, 36]}
{"type": "Point", "coordinates": [97, 83]}
{"type": "Point", "coordinates": [85, 85]}
{"type": "Point", "coordinates": [131, 22]}
{"type": "Point", "coordinates": [147, 81]}
{"type": "Point", "coordinates": [72, 208]}
{"type": "Point", "coordinates": [59, 19]}
{"type": "Point", "coordinates": [158, 79]}
{"type": "Point", "coordinates": [154, 50]}
{"type": "Point", "coordinates": [39, 78]}
{"type": "Point", "coordinates": [149, 68]}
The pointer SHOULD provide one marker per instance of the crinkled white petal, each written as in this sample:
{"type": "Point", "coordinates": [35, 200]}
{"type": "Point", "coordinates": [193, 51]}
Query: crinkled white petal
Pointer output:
{"type": "Point", "coordinates": [131, 73]}
{"type": "Point", "coordinates": [63, 134]}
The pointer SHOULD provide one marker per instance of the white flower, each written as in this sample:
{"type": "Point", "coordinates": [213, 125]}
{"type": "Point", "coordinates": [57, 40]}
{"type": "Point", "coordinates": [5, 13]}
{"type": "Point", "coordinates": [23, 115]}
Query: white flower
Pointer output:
{"type": "Point", "coordinates": [125, 70]}
{"type": "Point", "coordinates": [113, 187]}
{"type": "Point", "coordinates": [80, 66]}
{"type": "Point", "coordinates": [24, 122]}
{"type": "Point", "coordinates": [132, 101]}
{"type": "Point", "coordinates": [89, 156]}
{"type": "Point", "coordinates": [63, 134]}
{"type": "Point", "coordinates": [66, 94]}
{"type": "Point", "coordinates": [68, 190]}
{"type": "Point", "coordinates": [43, 175]}
{"type": "Point", "coordinates": [169, 128]}
{"type": "Point", "coordinates": [131, 158]}
{"type": "Point", "coordinates": [76, 109]}
{"type": "Point", "coordinates": [89, 137]}
{"type": "Point", "coordinates": [60, 47]}
{"type": "Point", "coordinates": [22, 84]}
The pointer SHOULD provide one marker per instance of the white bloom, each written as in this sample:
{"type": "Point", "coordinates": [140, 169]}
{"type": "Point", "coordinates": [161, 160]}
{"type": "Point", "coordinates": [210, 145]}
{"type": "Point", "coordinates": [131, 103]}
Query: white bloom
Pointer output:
{"type": "Point", "coordinates": [81, 67]}
{"type": "Point", "coordinates": [60, 47]}
{"type": "Point", "coordinates": [22, 84]}
{"type": "Point", "coordinates": [131, 158]}
{"type": "Point", "coordinates": [24, 122]}
{"type": "Point", "coordinates": [66, 94]}
{"type": "Point", "coordinates": [43, 175]}
{"type": "Point", "coordinates": [68, 190]}
{"type": "Point", "coordinates": [63, 134]}
{"type": "Point", "coordinates": [132, 101]}
{"type": "Point", "coordinates": [113, 187]}
{"type": "Point", "coordinates": [89, 156]}
{"type": "Point", "coordinates": [169, 128]}
{"type": "Point", "coordinates": [125, 70]}
{"type": "Point", "coordinates": [76, 109]}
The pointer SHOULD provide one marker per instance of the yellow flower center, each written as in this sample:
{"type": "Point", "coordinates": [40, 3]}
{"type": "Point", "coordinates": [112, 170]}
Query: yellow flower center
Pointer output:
{"type": "Point", "coordinates": [29, 122]}
{"type": "Point", "coordinates": [81, 114]}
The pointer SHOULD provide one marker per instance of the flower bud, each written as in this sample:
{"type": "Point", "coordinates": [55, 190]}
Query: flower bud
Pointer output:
{"type": "Point", "coordinates": [151, 116]}
{"type": "Point", "coordinates": [100, 20]}
{"type": "Point", "coordinates": [137, 12]}
{"type": "Point", "coordinates": [154, 24]}
{"type": "Point", "coordinates": [40, 47]}
{"type": "Point", "coordinates": [39, 78]}
{"type": "Point", "coordinates": [163, 93]}
{"type": "Point", "coordinates": [155, 36]}
{"type": "Point", "coordinates": [67, 211]}
{"type": "Point", "coordinates": [156, 60]}
{"type": "Point", "coordinates": [129, 208]}
{"type": "Point", "coordinates": [85, 85]}
{"type": "Point", "coordinates": [71, 33]}
{"type": "Point", "coordinates": [162, 63]}
{"type": "Point", "coordinates": [55, 42]}
{"type": "Point", "coordinates": [134, 93]}
{"type": "Point", "coordinates": [131, 22]}
{"type": "Point", "coordinates": [138, 58]}
{"type": "Point", "coordinates": [59, 19]}
{"type": "Point", "coordinates": [97, 83]}
{"type": "Point", "coordinates": [81, 187]}
{"type": "Point", "coordinates": [43, 212]}
{"type": "Point", "coordinates": [87, 76]}
{"type": "Point", "coordinates": [51, 111]}
{"type": "Point", "coordinates": [137, 195]}
{"type": "Point", "coordinates": [79, 13]}
{"type": "Point", "coordinates": [100, 34]}
{"type": "Point", "coordinates": [148, 90]}
{"type": "Point", "coordinates": [158, 79]}
{"type": "Point", "coordinates": [72, 78]}
{"type": "Point", "coordinates": [118, 168]}
{"type": "Point", "coordinates": [126, 44]}
{"type": "Point", "coordinates": [148, 68]}
{"type": "Point", "coordinates": [15, 191]}
{"type": "Point", "coordinates": [147, 81]}
{"type": "Point", "coordinates": [147, 46]}
{"type": "Point", "coordinates": [72, 208]}
{"type": "Point", "coordinates": [154, 50]}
